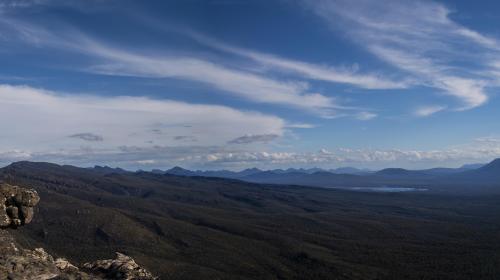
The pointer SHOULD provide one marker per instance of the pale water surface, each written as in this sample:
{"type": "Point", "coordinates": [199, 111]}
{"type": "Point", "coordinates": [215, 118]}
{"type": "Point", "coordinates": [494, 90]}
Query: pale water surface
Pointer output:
{"type": "Point", "coordinates": [386, 189]}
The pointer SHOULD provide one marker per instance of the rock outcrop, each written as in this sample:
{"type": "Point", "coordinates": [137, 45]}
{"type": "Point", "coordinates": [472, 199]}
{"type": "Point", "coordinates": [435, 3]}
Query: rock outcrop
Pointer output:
{"type": "Point", "coordinates": [16, 209]}
{"type": "Point", "coordinates": [122, 267]}
{"type": "Point", "coordinates": [37, 265]}
{"type": "Point", "coordinates": [16, 205]}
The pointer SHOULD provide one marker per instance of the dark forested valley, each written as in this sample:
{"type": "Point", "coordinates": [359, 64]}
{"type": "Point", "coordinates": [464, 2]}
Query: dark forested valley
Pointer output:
{"type": "Point", "coordinates": [213, 228]}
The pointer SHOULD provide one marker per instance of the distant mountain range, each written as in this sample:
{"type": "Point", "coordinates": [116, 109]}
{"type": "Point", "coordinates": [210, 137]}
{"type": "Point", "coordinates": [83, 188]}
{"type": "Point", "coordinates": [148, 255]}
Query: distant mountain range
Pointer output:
{"type": "Point", "coordinates": [473, 174]}
{"type": "Point", "coordinates": [478, 176]}
{"type": "Point", "coordinates": [253, 171]}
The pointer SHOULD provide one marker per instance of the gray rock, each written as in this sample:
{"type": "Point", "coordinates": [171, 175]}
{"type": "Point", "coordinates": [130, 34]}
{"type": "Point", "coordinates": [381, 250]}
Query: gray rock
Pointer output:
{"type": "Point", "coordinates": [16, 205]}
{"type": "Point", "coordinates": [27, 213]}
{"type": "Point", "coordinates": [4, 218]}
{"type": "Point", "coordinates": [122, 267]}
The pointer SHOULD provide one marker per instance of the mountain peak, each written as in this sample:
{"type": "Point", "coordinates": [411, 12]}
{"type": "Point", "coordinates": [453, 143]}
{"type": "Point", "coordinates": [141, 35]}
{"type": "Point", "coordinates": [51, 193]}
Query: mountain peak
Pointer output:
{"type": "Point", "coordinates": [179, 171]}
{"type": "Point", "coordinates": [255, 169]}
{"type": "Point", "coordinates": [393, 171]}
{"type": "Point", "coordinates": [177, 168]}
{"type": "Point", "coordinates": [250, 171]}
{"type": "Point", "coordinates": [494, 165]}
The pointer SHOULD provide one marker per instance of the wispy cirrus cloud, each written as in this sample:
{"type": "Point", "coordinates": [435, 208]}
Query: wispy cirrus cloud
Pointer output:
{"type": "Point", "coordinates": [420, 38]}
{"type": "Point", "coordinates": [426, 111]}
{"type": "Point", "coordinates": [231, 80]}
{"type": "Point", "coordinates": [365, 116]}
{"type": "Point", "coordinates": [87, 136]}
{"type": "Point", "coordinates": [249, 139]}
{"type": "Point", "coordinates": [185, 138]}
{"type": "Point", "coordinates": [300, 125]}
{"type": "Point", "coordinates": [250, 86]}
{"type": "Point", "coordinates": [16, 4]}
{"type": "Point", "coordinates": [294, 90]}
{"type": "Point", "coordinates": [320, 72]}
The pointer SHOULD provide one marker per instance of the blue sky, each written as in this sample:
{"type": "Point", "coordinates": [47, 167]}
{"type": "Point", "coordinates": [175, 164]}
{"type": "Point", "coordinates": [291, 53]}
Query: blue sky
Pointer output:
{"type": "Point", "coordinates": [235, 84]}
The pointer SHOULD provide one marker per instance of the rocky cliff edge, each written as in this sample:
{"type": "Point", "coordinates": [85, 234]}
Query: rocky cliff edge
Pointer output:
{"type": "Point", "coordinates": [16, 263]}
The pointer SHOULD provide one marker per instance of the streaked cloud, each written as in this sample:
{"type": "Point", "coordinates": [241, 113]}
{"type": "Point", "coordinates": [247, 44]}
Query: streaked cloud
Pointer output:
{"type": "Point", "coordinates": [417, 46]}
{"type": "Point", "coordinates": [300, 125]}
{"type": "Point", "coordinates": [91, 137]}
{"type": "Point", "coordinates": [229, 80]}
{"type": "Point", "coordinates": [185, 138]}
{"type": "Point", "coordinates": [307, 70]}
{"type": "Point", "coordinates": [246, 85]}
{"type": "Point", "coordinates": [426, 111]}
{"type": "Point", "coordinates": [365, 116]}
{"type": "Point", "coordinates": [418, 37]}
{"type": "Point", "coordinates": [249, 139]}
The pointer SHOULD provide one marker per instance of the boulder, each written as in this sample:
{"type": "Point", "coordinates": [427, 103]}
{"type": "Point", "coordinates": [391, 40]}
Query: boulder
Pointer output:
{"type": "Point", "coordinates": [122, 267]}
{"type": "Point", "coordinates": [16, 205]}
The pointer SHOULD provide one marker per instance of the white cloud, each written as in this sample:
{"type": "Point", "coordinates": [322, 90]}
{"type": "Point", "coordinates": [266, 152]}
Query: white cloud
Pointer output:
{"type": "Point", "coordinates": [146, 162]}
{"type": "Point", "coordinates": [15, 4]}
{"type": "Point", "coordinates": [481, 150]}
{"type": "Point", "coordinates": [229, 77]}
{"type": "Point", "coordinates": [230, 80]}
{"type": "Point", "coordinates": [20, 5]}
{"type": "Point", "coordinates": [250, 139]}
{"type": "Point", "coordinates": [418, 37]}
{"type": "Point", "coordinates": [243, 84]}
{"type": "Point", "coordinates": [308, 70]}
{"type": "Point", "coordinates": [426, 111]}
{"type": "Point", "coordinates": [365, 116]}
{"type": "Point", "coordinates": [300, 125]}
{"type": "Point", "coordinates": [38, 120]}
{"type": "Point", "coordinates": [237, 157]}
{"type": "Point", "coordinates": [87, 136]}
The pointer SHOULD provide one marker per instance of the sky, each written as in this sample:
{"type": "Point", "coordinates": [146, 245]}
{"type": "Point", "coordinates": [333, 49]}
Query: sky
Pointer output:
{"type": "Point", "coordinates": [233, 84]}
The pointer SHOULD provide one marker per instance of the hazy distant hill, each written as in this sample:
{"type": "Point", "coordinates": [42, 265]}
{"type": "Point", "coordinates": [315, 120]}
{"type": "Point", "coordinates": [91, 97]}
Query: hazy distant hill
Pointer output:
{"type": "Point", "coordinates": [434, 178]}
{"type": "Point", "coordinates": [463, 178]}
{"type": "Point", "coordinates": [473, 166]}
{"type": "Point", "coordinates": [351, 170]}
{"type": "Point", "coordinates": [487, 174]}
{"type": "Point", "coordinates": [253, 171]}
{"type": "Point", "coordinates": [108, 170]}
{"type": "Point", "coordinates": [399, 172]}
{"type": "Point", "coordinates": [210, 173]}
